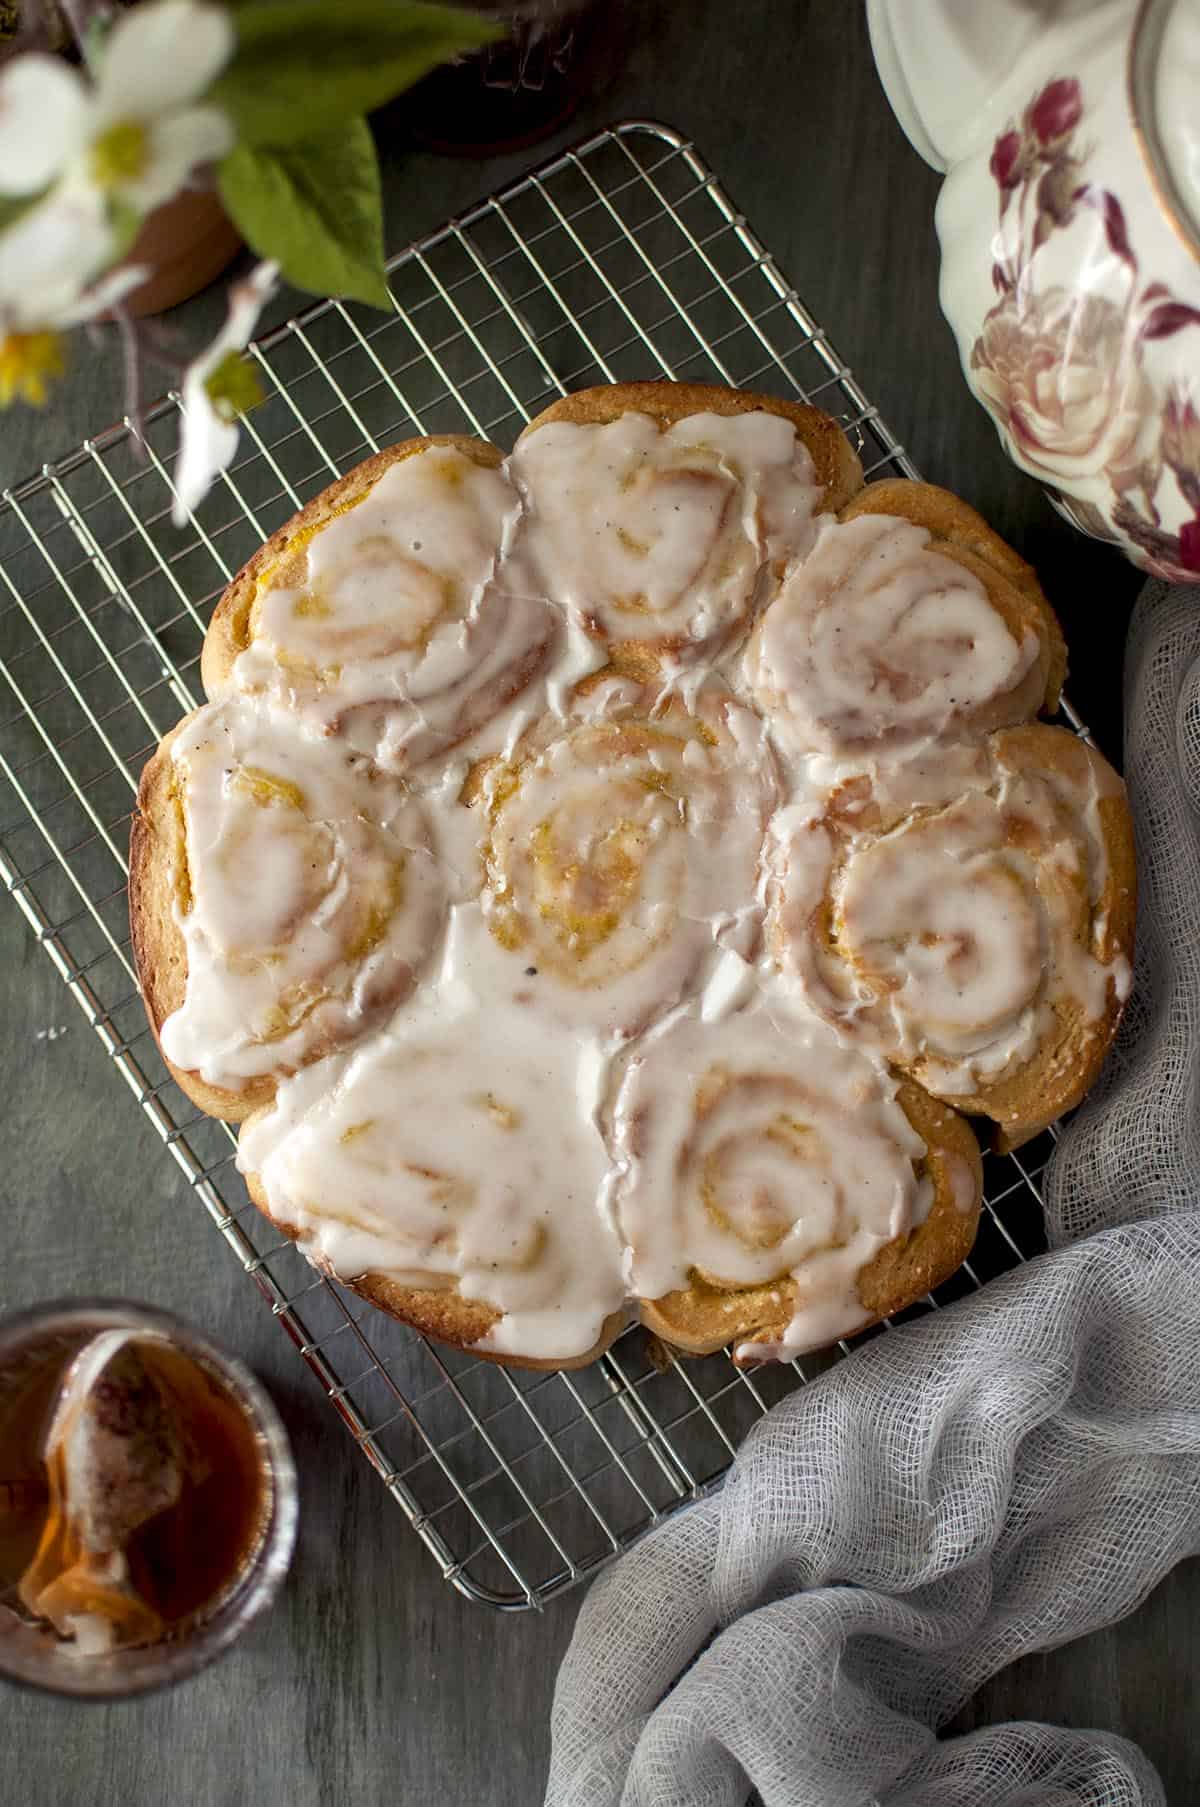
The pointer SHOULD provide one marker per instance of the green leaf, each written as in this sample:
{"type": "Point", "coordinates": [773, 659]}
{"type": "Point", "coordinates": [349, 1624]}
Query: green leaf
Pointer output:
{"type": "Point", "coordinates": [302, 66]}
{"type": "Point", "coordinates": [316, 207]}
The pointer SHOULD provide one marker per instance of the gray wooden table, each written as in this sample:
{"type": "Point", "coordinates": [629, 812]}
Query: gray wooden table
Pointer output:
{"type": "Point", "coordinates": [372, 1681]}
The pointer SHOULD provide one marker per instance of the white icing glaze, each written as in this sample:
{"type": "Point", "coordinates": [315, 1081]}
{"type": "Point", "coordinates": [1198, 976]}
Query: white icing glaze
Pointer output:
{"type": "Point", "coordinates": [454, 1149]}
{"type": "Point", "coordinates": [595, 1030]}
{"type": "Point", "coordinates": [877, 637]}
{"type": "Point", "coordinates": [952, 932]}
{"type": "Point", "coordinates": [949, 924]}
{"type": "Point", "coordinates": [312, 895]}
{"type": "Point", "coordinates": [768, 1151]}
{"type": "Point", "coordinates": [458, 830]}
{"type": "Point", "coordinates": [620, 855]}
{"type": "Point", "coordinates": [662, 535]}
{"type": "Point", "coordinates": [399, 638]}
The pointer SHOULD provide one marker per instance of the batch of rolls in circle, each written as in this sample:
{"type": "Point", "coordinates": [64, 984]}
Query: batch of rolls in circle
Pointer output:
{"type": "Point", "coordinates": [605, 880]}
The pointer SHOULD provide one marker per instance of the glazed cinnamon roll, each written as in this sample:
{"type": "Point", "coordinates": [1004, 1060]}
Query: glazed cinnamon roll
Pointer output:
{"type": "Point", "coordinates": [909, 619]}
{"type": "Point", "coordinates": [602, 876]}
{"type": "Point", "coordinates": [283, 898]}
{"type": "Point", "coordinates": [661, 515]}
{"type": "Point", "coordinates": [450, 1171]}
{"type": "Point", "coordinates": [375, 614]}
{"type": "Point", "coordinates": [778, 1189]}
{"type": "Point", "coordinates": [620, 854]}
{"type": "Point", "coordinates": [974, 926]}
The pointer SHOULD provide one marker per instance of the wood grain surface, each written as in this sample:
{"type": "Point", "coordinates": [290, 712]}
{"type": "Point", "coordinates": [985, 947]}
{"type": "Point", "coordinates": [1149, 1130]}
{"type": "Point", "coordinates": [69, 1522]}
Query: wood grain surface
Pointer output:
{"type": "Point", "coordinates": [372, 1681]}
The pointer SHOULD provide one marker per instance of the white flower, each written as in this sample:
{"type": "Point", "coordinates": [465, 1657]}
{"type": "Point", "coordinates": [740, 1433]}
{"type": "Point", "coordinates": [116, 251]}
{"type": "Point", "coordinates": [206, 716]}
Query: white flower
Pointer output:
{"type": "Point", "coordinates": [133, 134]}
{"type": "Point", "coordinates": [217, 387]}
{"type": "Point", "coordinates": [48, 258]}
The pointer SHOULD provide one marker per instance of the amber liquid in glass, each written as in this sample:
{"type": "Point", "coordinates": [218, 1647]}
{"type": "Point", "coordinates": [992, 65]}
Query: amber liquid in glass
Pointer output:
{"type": "Point", "coordinates": [190, 1556]}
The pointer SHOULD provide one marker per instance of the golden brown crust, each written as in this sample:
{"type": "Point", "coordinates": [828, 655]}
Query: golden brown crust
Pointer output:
{"type": "Point", "coordinates": [157, 852]}
{"type": "Point", "coordinates": [439, 1311]}
{"type": "Point", "coordinates": [956, 530]}
{"type": "Point", "coordinates": [1069, 1059]}
{"type": "Point", "coordinates": [702, 1317]}
{"type": "Point", "coordinates": [835, 461]}
{"type": "Point", "coordinates": [229, 630]}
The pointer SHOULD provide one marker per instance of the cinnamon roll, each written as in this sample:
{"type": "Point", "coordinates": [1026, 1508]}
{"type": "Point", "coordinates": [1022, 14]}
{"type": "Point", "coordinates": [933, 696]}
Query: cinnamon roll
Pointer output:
{"type": "Point", "coordinates": [979, 937]}
{"type": "Point", "coordinates": [908, 619]}
{"type": "Point", "coordinates": [778, 1189]}
{"type": "Point", "coordinates": [602, 878]}
{"type": "Point", "coordinates": [450, 1171]}
{"type": "Point", "coordinates": [660, 515]}
{"type": "Point", "coordinates": [620, 854]}
{"type": "Point", "coordinates": [375, 614]}
{"type": "Point", "coordinates": [283, 898]}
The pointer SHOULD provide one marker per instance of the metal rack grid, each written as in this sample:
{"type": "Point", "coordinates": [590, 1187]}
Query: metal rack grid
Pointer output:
{"type": "Point", "coordinates": [622, 258]}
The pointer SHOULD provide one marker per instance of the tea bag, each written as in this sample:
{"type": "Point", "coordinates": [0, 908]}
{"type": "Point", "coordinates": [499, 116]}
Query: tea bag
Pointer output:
{"type": "Point", "coordinates": [114, 1460]}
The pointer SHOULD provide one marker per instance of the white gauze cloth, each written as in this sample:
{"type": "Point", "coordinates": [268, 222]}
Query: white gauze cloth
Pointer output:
{"type": "Point", "coordinates": [998, 1478]}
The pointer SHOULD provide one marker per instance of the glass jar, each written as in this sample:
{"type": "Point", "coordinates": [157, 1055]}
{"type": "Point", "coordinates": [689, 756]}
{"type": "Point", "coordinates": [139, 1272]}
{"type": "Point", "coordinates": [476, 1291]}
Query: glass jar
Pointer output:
{"type": "Point", "coordinates": [520, 88]}
{"type": "Point", "coordinates": [244, 1527]}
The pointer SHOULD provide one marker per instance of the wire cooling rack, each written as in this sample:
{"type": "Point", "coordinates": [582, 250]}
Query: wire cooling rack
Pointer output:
{"type": "Point", "coordinates": [622, 258]}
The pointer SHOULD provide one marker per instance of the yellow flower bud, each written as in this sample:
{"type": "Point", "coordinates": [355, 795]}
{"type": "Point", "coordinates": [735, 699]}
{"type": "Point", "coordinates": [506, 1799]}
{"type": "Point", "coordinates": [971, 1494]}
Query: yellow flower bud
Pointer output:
{"type": "Point", "coordinates": [28, 363]}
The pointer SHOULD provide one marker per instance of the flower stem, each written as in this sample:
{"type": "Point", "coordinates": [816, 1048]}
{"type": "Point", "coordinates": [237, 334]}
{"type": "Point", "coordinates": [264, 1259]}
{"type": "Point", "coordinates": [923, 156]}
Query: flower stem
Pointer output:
{"type": "Point", "coordinates": [131, 354]}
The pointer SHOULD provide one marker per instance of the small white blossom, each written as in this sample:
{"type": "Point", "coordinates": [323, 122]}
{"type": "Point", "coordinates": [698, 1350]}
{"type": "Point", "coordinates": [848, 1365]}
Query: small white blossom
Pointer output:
{"type": "Point", "coordinates": [48, 259]}
{"type": "Point", "coordinates": [48, 264]}
{"type": "Point", "coordinates": [133, 134]}
{"type": "Point", "coordinates": [212, 398]}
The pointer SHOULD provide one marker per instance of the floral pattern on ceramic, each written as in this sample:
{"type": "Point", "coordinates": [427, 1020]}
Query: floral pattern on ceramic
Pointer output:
{"type": "Point", "coordinates": [1063, 372]}
{"type": "Point", "coordinates": [1072, 287]}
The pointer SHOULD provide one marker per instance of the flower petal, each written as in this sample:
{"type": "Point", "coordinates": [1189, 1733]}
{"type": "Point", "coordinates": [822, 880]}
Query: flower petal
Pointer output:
{"type": "Point", "coordinates": [246, 302]}
{"type": "Point", "coordinates": [179, 143]}
{"type": "Point", "coordinates": [105, 294]}
{"type": "Point", "coordinates": [48, 257]}
{"type": "Point", "coordinates": [43, 114]}
{"type": "Point", "coordinates": [161, 56]}
{"type": "Point", "coordinates": [208, 443]}
{"type": "Point", "coordinates": [206, 448]}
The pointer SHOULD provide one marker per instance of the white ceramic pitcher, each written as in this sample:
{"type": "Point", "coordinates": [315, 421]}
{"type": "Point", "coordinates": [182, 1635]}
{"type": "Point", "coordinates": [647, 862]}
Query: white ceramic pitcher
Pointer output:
{"type": "Point", "coordinates": [1069, 131]}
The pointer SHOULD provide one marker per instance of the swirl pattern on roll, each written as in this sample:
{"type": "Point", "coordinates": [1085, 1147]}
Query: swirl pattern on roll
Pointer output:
{"type": "Point", "coordinates": [387, 626]}
{"type": "Point", "coordinates": [975, 938]}
{"type": "Point", "coordinates": [306, 895]}
{"type": "Point", "coordinates": [769, 1162]}
{"type": "Point", "coordinates": [660, 538]}
{"type": "Point", "coordinates": [622, 852]}
{"type": "Point", "coordinates": [881, 638]}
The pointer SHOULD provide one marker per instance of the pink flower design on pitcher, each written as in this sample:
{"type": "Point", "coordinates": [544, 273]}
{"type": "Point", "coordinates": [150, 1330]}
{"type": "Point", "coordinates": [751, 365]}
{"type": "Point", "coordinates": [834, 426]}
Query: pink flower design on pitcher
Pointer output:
{"type": "Point", "coordinates": [1006, 160]}
{"type": "Point", "coordinates": [1060, 374]}
{"type": "Point", "coordinates": [1054, 113]}
{"type": "Point", "coordinates": [1189, 546]}
{"type": "Point", "coordinates": [1061, 371]}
